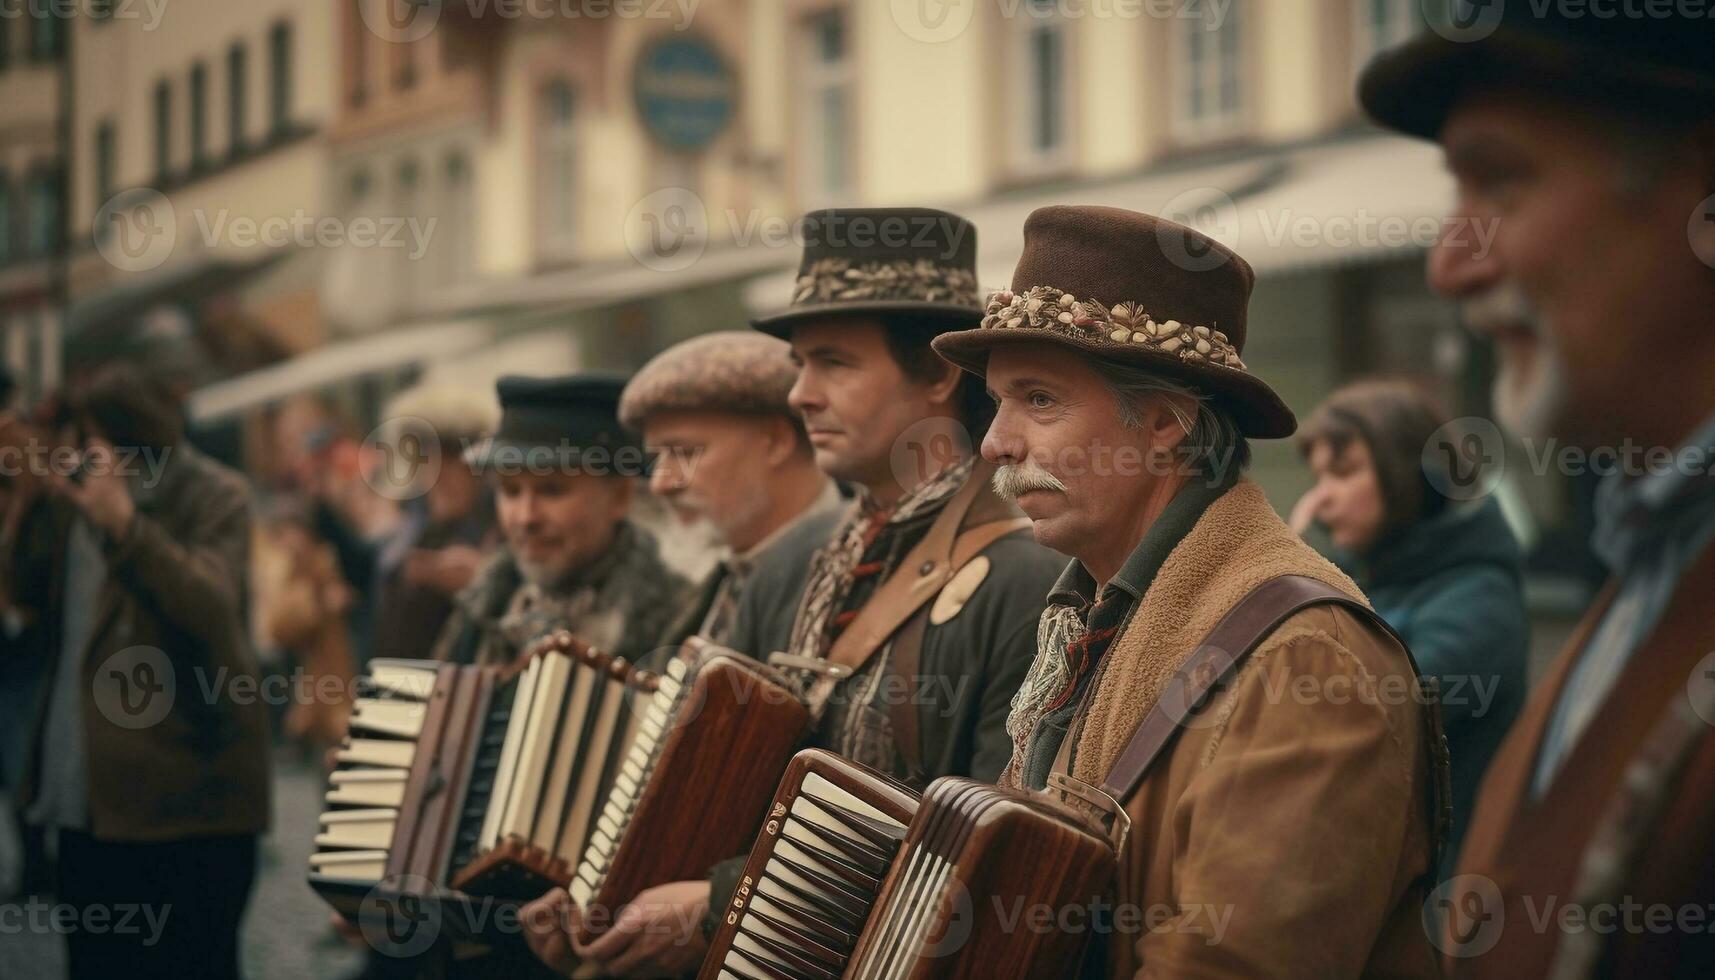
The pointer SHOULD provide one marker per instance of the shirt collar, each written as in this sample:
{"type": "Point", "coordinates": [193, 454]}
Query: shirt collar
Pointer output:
{"type": "Point", "coordinates": [1632, 511]}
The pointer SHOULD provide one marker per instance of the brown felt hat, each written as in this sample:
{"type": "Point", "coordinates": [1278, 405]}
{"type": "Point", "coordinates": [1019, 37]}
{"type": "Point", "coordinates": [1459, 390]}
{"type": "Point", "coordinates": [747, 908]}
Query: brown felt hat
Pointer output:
{"type": "Point", "coordinates": [1643, 61]}
{"type": "Point", "coordinates": [1131, 289]}
{"type": "Point", "coordinates": [916, 262]}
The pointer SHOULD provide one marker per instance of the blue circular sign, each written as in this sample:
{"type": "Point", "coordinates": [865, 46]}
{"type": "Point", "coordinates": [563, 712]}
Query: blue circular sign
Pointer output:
{"type": "Point", "coordinates": [684, 90]}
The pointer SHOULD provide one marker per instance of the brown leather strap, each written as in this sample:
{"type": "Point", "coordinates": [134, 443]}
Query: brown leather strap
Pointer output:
{"type": "Point", "coordinates": [902, 710]}
{"type": "Point", "coordinates": [915, 581]}
{"type": "Point", "coordinates": [1218, 658]}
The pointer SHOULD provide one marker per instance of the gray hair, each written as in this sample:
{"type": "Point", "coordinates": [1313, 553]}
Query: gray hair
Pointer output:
{"type": "Point", "coordinates": [1212, 439]}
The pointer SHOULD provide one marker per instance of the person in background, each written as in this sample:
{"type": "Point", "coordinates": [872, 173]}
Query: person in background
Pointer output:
{"type": "Point", "coordinates": [1445, 574]}
{"type": "Point", "coordinates": [1586, 144]}
{"type": "Point", "coordinates": [148, 766]}
{"type": "Point", "coordinates": [728, 449]}
{"type": "Point", "coordinates": [564, 472]}
{"type": "Point", "coordinates": [447, 533]}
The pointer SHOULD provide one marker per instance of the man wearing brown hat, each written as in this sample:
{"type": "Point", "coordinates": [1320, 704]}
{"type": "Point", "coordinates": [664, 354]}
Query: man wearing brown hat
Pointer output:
{"type": "Point", "coordinates": [729, 450]}
{"type": "Point", "coordinates": [917, 621]}
{"type": "Point", "coordinates": [1279, 803]}
{"type": "Point", "coordinates": [1586, 140]}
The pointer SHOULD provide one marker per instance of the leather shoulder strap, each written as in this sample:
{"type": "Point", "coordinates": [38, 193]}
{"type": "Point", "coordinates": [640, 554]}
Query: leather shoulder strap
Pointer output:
{"type": "Point", "coordinates": [918, 577]}
{"type": "Point", "coordinates": [1218, 658]}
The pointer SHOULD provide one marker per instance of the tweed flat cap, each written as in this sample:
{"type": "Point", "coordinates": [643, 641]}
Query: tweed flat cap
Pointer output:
{"type": "Point", "coordinates": [729, 371]}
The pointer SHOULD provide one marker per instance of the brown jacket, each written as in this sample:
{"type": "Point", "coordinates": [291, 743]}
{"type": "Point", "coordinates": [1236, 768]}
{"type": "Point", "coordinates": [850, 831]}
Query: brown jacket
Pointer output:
{"type": "Point", "coordinates": [1286, 831]}
{"type": "Point", "coordinates": [174, 602]}
{"type": "Point", "coordinates": [1625, 799]}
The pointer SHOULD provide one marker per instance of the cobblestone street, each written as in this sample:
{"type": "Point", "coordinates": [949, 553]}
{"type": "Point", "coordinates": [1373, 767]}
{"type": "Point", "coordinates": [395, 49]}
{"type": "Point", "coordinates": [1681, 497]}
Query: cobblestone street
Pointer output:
{"type": "Point", "coordinates": [286, 934]}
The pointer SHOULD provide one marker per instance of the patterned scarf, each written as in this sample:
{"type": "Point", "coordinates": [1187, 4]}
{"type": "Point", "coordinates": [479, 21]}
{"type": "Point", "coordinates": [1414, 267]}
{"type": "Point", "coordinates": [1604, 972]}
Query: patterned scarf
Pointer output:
{"type": "Point", "coordinates": [1070, 641]}
{"type": "Point", "coordinates": [840, 564]}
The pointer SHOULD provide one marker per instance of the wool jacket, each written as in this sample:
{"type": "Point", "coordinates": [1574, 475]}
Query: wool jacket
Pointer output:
{"type": "Point", "coordinates": [176, 590]}
{"type": "Point", "coordinates": [1286, 831]}
{"type": "Point", "coordinates": [1451, 587]}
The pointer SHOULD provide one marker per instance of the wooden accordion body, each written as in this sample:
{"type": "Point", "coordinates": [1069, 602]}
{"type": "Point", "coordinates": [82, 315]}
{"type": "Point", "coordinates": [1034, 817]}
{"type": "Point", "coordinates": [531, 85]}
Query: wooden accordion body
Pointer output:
{"type": "Point", "coordinates": [854, 876]}
{"type": "Point", "coordinates": [695, 786]}
{"type": "Point", "coordinates": [469, 783]}
{"type": "Point", "coordinates": [833, 831]}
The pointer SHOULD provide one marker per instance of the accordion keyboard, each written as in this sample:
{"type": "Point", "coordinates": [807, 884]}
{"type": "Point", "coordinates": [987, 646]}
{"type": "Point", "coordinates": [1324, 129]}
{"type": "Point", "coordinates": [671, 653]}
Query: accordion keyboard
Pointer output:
{"type": "Point", "coordinates": [371, 769]}
{"type": "Point", "coordinates": [628, 785]}
{"type": "Point", "coordinates": [833, 832]}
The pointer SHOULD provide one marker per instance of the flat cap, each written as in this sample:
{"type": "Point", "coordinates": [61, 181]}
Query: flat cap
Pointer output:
{"type": "Point", "coordinates": [739, 371]}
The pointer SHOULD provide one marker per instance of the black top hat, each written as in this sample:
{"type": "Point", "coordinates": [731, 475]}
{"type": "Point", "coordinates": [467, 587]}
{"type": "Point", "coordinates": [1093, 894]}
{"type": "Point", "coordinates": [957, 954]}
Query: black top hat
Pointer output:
{"type": "Point", "coordinates": [1135, 290]}
{"type": "Point", "coordinates": [915, 261]}
{"type": "Point", "coordinates": [1645, 57]}
{"type": "Point", "coordinates": [563, 424]}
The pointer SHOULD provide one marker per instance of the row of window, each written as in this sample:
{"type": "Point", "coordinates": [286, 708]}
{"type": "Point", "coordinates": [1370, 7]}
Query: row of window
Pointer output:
{"type": "Point", "coordinates": [30, 215]}
{"type": "Point", "coordinates": [1208, 94]}
{"type": "Point", "coordinates": [196, 107]}
{"type": "Point", "coordinates": [32, 31]}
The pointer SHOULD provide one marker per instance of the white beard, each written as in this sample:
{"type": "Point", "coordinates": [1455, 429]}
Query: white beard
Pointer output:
{"type": "Point", "coordinates": [1533, 408]}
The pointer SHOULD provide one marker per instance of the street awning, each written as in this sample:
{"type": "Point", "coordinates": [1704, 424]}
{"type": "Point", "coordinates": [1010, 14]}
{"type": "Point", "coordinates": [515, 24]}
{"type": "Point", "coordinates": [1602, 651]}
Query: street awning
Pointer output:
{"type": "Point", "coordinates": [1360, 198]}
{"type": "Point", "coordinates": [329, 365]}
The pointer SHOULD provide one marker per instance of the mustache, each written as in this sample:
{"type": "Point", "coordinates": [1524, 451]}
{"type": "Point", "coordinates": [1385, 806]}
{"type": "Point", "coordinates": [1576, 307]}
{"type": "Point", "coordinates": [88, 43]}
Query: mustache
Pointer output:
{"type": "Point", "coordinates": [1504, 305]}
{"type": "Point", "coordinates": [1017, 479]}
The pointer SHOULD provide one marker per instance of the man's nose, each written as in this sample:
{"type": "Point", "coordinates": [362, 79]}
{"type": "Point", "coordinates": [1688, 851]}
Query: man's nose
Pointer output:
{"type": "Point", "coordinates": [1002, 444]}
{"type": "Point", "coordinates": [1460, 265]}
{"type": "Point", "coordinates": [804, 396]}
{"type": "Point", "coordinates": [664, 478]}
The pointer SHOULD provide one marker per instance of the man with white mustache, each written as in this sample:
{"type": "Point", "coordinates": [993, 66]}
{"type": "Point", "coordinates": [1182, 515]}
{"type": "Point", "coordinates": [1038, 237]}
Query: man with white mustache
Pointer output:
{"type": "Point", "coordinates": [1588, 142]}
{"type": "Point", "coordinates": [1122, 428]}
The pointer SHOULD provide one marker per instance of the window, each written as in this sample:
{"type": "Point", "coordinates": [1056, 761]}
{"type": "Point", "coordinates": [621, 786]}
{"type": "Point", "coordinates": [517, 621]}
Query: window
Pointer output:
{"type": "Point", "coordinates": [1383, 24]}
{"type": "Point", "coordinates": [357, 39]}
{"type": "Point", "coordinates": [279, 77]}
{"type": "Point", "coordinates": [237, 67]}
{"type": "Point", "coordinates": [47, 31]}
{"type": "Point", "coordinates": [452, 236]}
{"type": "Point", "coordinates": [826, 149]}
{"type": "Point", "coordinates": [557, 167]}
{"type": "Point", "coordinates": [42, 214]}
{"type": "Point", "coordinates": [1040, 37]}
{"type": "Point", "coordinates": [1210, 72]}
{"type": "Point", "coordinates": [163, 129]}
{"type": "Point", "coordinates": [199, 115]}
{"type": "Point", "coordinates": [105, 138]}
{"type": "Point", "coordinates": [6, 230]}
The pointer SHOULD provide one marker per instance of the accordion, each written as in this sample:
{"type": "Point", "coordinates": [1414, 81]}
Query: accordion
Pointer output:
{"type": "Point", "coordinates": [469, 782]}
{"type": "Point", "coordinates": [695, 786]}
{"type": "Point", "coordinates": [856, 877]}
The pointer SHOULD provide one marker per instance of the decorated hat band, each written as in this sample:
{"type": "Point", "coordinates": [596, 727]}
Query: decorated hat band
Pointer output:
{"type": "Point", "coordinates": [837, 280]}
{"type": "Point", "coordinates": [1047, 308]}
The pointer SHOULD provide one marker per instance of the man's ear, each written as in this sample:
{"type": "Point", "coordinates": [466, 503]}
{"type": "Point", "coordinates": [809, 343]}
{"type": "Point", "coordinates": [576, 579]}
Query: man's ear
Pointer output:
{"type": "Point", "coordinates": [781, 440]}
{"type": "Point", "coordinates": [944, 390]}
{"type": "Point", "coordinates": [1163, 420]}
